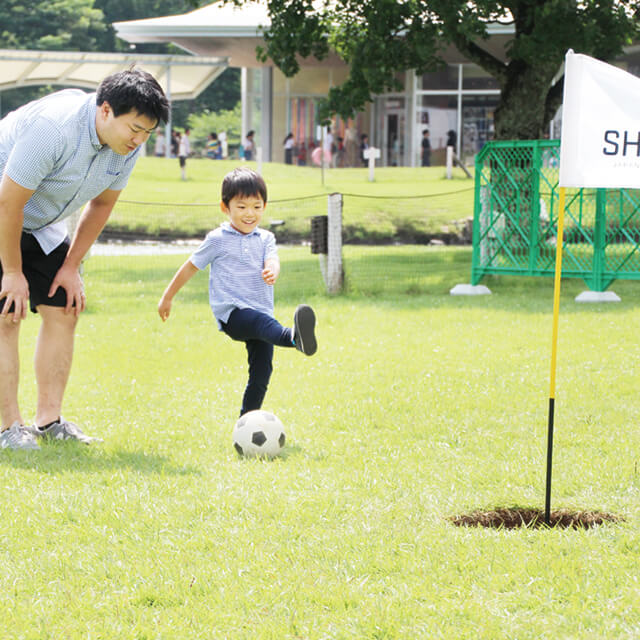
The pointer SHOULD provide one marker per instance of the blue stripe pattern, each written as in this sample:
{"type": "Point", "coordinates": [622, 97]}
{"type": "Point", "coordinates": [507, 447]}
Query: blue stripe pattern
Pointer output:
{"type": "Point", "coordinates": [235, 277]}
{"type": "Point", "coordinates": [51, 145]}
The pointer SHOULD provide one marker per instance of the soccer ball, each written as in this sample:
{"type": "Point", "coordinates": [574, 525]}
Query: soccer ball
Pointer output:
{"type": "Point", "coordinates": [258, 433]}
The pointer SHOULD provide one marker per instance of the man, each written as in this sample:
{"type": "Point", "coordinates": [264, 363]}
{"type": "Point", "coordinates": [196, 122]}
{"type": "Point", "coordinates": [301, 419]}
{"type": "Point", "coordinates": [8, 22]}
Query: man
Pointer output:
{"type": "Point", "coordinates": [58, 154]}
{"type": "Point", "coordinates": [426, 149]}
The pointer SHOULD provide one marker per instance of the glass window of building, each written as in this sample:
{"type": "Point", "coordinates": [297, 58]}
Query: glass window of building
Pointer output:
{"type": "Point", "coordinates": [476, 78]}
{"type": "Point", "coordinates": [440, 80]}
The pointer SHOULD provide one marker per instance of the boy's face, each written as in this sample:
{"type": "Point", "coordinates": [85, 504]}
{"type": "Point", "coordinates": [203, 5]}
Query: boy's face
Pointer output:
{"type": "Point", "coordinates": [245, 212]}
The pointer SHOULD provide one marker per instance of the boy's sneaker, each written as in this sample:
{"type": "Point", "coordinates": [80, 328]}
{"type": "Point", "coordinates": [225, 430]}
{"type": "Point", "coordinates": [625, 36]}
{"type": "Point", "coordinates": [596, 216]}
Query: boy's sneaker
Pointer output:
{"type": "Point", "coordinates": [304, 322]}
{"type": "Point", "coordinates": [17, 436]}
{"type": "Point", "coordinates": [63, 430]}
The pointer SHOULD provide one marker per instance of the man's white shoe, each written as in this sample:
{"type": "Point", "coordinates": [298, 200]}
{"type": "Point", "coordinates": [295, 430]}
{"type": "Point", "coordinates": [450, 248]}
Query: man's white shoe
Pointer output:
{"type": "Point", "coordinates": [17, 436]}
{"type": "Point", "coordinates": [63, 430]}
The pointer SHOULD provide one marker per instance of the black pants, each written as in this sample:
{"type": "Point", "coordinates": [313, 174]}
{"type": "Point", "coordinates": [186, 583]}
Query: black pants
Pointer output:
{"type": "Point", "coordinates": [260, 332]}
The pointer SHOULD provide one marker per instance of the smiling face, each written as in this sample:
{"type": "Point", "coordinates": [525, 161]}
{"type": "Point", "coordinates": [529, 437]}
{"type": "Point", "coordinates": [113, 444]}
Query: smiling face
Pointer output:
{"type": "Point", "coordinates": [245, 212]}
{"type": "Point", "coordinates": [123, 134]}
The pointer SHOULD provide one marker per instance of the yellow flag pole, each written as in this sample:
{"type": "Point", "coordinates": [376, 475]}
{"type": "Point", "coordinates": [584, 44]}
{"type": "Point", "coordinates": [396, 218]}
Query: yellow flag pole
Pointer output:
{"type": "Point", "coordinates": [554, 352]}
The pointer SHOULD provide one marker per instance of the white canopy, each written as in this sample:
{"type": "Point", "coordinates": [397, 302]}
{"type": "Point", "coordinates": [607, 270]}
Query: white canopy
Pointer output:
{"type": "Point", "coordinates": [181, 77]}
{"type": "Point", "coordinates": [215, 29]}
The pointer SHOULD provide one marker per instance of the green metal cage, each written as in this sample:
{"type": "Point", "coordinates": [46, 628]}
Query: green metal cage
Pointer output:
{"type": "Point", "coordinates": [516, 216]}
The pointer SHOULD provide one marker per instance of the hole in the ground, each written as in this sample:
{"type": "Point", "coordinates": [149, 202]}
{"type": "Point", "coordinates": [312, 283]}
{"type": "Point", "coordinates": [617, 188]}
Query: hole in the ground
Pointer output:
{"type": "Point", "coordinates": [519, 517]}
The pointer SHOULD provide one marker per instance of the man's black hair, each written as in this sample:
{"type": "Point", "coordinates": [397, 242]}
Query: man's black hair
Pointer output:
{"type": "Point", "coordinates": [134, 90]}
{"type": "Point", "coordinates": [243, 182]}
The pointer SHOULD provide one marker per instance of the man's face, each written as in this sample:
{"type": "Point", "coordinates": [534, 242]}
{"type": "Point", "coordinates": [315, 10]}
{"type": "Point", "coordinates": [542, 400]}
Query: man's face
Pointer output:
{"type": "Point", "coordinates": [124, 133]}
{"type": "Point", "coordinates": [245, 212]}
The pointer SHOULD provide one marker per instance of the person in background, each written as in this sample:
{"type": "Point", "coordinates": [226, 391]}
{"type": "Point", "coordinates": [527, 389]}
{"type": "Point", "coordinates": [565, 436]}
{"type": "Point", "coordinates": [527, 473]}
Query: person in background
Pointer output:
{"type": "Point", "coordinates": [288, 149]}
{"type": "Point", "coordinates": [159, 147]}
{"type": "Point", "coordinates": [214, 148]}
{"type": "Point", "coordinates": [184, 150]}
{"type": "Point", "coordinates": [249, 145]}
{"type": "Point", "coordinates": [175, 143]}
{"type": "Point", "coordinates": [426, 149]}
{"type": "Point", "coordinates": [302, 154]}
{"type": "Point", "coordinates": [364, 145]}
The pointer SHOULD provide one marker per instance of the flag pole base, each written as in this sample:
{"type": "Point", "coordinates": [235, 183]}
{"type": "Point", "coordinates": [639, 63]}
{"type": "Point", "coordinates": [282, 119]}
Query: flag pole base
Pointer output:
{"type": "Point", "coordinates": [470, 290]}
{"type": "Point", "coordinates": [598, 296]}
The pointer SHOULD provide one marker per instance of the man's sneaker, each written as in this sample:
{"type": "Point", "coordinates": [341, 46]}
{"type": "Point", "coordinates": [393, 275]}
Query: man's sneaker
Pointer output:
{"type": "Point", "coordinates": [63, 430]}
{"type": "Point", "coordinates": [304, 322]}
{"type": "Point", "coordinates": [18, 436]}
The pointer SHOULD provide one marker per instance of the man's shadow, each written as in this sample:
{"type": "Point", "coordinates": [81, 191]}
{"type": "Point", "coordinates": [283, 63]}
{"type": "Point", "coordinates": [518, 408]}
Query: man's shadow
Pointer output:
{"type": "Point", "coordinates": [54, 458]}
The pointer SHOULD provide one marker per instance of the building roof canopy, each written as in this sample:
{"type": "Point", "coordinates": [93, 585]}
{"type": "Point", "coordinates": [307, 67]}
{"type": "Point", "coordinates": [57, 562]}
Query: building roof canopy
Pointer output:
{"type": "Point", "coordinates": [236, 31]}
{"type": "Point", "coordinates": [181, 77]}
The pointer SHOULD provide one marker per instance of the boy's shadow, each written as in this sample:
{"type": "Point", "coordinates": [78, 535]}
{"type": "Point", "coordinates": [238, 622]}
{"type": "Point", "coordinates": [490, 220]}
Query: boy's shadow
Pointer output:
{"type": "Point", "coordinates": [54, 458]}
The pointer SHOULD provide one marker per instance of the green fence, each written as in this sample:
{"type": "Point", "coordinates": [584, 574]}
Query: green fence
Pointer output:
{"type": "Point", "coordinates": [516, 215]}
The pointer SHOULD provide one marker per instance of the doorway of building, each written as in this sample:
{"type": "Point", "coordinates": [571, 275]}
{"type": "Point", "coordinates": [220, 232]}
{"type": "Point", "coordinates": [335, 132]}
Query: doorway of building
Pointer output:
{"type": "Point", "coordinates": [394, 136]}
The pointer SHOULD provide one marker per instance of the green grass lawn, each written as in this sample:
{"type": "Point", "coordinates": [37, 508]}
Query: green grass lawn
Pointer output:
{"type": "Point", "coordinates": [400, 200]}
{"type": "Point", "coordinates": [418, 406]}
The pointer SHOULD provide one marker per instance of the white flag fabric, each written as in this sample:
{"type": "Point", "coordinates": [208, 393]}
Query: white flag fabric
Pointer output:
{"type": "Point", "coordinates": [600, 142]}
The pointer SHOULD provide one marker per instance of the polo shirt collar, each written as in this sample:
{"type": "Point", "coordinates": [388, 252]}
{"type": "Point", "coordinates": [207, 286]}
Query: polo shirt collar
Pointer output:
{"type": "Point", "coordinates": [226, 226]}
{"type": "Point", "coordinates": [92, 109]}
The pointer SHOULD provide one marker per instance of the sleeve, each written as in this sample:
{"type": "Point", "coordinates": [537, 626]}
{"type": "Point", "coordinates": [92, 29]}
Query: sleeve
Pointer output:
{"type": "Point", "coordinates": [38, 148]}
{"type": "Point", "coordinates": [270, 247]}
{"type": "Point", "coordinates": [205, 253]}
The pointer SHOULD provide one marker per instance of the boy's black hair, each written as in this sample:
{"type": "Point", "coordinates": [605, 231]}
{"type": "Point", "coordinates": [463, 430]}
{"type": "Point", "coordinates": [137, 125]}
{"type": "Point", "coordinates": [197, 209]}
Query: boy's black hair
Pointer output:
{"type": "Point", "coordinates": [243, 182]}
{"type": "Point", "coordinates": [134, 90]}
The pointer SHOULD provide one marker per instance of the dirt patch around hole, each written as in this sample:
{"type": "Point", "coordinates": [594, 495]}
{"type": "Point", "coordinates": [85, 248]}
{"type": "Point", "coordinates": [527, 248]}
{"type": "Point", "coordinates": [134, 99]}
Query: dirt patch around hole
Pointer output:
{"type": "Point", "coordinates": [522, 517]}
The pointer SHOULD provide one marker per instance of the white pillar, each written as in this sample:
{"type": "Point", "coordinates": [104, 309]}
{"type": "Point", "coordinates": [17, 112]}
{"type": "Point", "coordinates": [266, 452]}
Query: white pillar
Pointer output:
{"type": "Point", "coordinates": [334, 279]}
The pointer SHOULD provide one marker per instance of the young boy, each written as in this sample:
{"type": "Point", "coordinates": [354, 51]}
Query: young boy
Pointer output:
{"type": "Point", "coordinates": [244, 267]}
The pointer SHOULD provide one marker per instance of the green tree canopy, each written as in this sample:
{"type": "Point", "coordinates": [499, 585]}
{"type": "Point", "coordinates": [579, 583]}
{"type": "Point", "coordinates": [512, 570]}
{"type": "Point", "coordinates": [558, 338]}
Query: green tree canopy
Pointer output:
{"type": "Point", "coordinates": [380, 38]}
{"type": "Point", "coordinates": [71, 25]}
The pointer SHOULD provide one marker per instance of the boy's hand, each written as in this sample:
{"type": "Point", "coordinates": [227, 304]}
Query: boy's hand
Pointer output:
{"type": "Point", "coordinates": [164, 308]}
{"type": "Point", "coordinates": [269, 275]}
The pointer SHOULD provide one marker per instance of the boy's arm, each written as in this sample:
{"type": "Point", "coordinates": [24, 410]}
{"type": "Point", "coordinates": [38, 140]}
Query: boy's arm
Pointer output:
{"type": "Point", "coordinates": [183, 275]}
{"type": "Point", "coordinates": [271, 270]}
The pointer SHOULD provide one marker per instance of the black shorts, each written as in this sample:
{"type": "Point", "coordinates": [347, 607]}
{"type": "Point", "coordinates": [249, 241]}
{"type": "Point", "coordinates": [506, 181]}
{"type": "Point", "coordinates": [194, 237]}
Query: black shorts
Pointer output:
{"type": "Point", "coordinates": [183, 160]}
{"type": "Point", "coordinates": [40, 269]}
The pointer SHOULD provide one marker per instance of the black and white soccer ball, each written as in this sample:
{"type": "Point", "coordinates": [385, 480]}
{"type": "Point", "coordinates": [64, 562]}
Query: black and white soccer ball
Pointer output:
{"type": "Point", "coordinates": [259, 433]}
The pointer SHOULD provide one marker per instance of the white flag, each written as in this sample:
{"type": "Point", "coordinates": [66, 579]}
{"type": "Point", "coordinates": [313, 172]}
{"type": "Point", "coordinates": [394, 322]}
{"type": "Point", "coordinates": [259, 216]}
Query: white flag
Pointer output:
{"type": "Point", "coordinates": [600, 145]}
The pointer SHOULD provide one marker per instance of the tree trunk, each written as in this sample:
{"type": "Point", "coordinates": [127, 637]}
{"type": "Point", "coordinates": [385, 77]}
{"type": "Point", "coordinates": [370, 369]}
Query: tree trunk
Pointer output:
{"type": "Point", "coordinates": [520, 115]}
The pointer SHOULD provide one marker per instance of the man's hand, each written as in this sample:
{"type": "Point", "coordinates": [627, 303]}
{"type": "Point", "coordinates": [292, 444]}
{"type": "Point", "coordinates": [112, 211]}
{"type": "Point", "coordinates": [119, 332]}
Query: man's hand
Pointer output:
{"type": "Point", "coordinates": [69, 279]}
{"type": "Point", "coordinates": [15, 290]}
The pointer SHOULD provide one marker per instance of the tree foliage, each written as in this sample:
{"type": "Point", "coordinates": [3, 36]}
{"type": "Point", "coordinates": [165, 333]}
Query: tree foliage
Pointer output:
{"type": "Point", "coordinates": [71, 25]}
{"type": "Point", "coordinates": [380, 38]}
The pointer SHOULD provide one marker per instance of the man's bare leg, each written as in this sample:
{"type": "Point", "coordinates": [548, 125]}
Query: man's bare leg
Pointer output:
{"type": "Point", "coordinates": [54, 353]}
{"type": "Point", "coordinates": [9, 372]}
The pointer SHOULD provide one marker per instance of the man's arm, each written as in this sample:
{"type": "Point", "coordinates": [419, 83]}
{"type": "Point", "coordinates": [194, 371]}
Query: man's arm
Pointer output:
{"type": "Point", "coordinates": [91, 223]}
{"type": "Point", "coordinates": [13, 288]}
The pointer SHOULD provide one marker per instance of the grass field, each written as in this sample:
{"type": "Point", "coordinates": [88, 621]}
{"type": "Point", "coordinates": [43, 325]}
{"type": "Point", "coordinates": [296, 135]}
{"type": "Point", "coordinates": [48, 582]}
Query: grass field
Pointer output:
{"type": "Point", "coordinates": [400, 200]}
{"type": "Point", "coordinates": [415, 408]}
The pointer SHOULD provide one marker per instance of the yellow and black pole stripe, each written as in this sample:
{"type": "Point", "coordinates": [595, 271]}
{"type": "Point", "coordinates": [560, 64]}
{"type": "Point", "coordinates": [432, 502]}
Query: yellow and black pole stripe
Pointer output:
{"type": "Point", "coordinates": [554, 352]}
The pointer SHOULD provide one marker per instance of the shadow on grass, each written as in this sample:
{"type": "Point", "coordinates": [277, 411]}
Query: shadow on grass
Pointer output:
{"type": "Point", "coordinates": [54, 458]}
{"type": "Point", "coordinates": [527, 518]}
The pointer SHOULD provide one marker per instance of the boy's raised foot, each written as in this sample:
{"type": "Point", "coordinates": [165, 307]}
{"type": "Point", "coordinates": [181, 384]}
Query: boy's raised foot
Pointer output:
{"type": "Point", "coordinates": [304, 323]}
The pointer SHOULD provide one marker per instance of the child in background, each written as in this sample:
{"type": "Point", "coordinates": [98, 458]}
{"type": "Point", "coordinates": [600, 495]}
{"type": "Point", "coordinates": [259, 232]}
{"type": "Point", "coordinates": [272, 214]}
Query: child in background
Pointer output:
{"type": "Point", "coordinates": [244, 267]}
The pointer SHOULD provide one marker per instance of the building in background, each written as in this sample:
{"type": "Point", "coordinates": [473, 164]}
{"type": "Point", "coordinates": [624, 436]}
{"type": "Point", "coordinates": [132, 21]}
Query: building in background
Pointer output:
{"type": "Point", "coordinates": [461, 97]}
